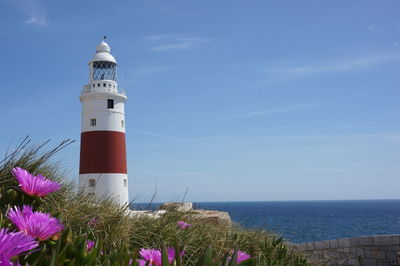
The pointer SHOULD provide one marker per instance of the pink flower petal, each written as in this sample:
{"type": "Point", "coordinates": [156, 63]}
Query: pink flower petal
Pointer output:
{"type": "Point", "coordinates": [13, 244]}
{"type": "Point", "coordinates": [34, 185]}
{"type": "Point", "coordinates": [35, 224]}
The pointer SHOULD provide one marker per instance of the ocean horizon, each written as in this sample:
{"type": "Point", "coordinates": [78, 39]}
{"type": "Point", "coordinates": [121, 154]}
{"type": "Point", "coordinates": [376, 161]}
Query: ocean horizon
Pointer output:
{"type": "Point", "coordinates": [310, 220]}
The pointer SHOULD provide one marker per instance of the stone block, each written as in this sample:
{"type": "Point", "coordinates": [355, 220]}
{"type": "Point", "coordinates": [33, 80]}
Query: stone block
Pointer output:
{"type": "Point", "coordinates": [368, 262]}
{"type": "Point", "coordinates": [344, 243]}
{"type": "Point", "coordinates": [360, 252]}
{"type": "Point", "coordinates": [322, 244]}
{"type": "Point", "coordinates": [177, 206]}
{"type": "Point", "coordinates": [353, 262]}
{"type": "Point", "coordinates": [319, 252]}
{"type": "Point", "coordinates": [355, 242]}
{"type": "Point", "coordinates": [386, 240]}
{"type": "Point", "coordinates": [382, 263]}
{"type": "Point", "coordinates": [334, 243]}
{"type": "Point", "coordinates": [367, 241]}
{"type": "Point", "coordinates": [333, 254]}
{"type": "Point", "coordinates": [310, 245]}
{"type": "Point", "coordinates": [353, 250]}
{"type": "Point", "coordinates": [393, 248]}
{"type": "Point", "coordinates": [346, 250]}
{"type": "Point", "coordinates": [302, 246]}
{"type": "Point", "coordinates": [315, 257]}
{"type": "Point", "coordinates": [374, 254]}
{"type": "Point", "coordinates": [391, 256]}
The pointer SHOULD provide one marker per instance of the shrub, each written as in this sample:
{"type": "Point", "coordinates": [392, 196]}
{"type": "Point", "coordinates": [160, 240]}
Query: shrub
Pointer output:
{"type": "Point", "coordinates": [80, 230]}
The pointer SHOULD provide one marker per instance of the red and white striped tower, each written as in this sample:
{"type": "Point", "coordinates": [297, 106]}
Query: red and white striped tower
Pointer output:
{"type": "Point", "coordinates": [102, 169]}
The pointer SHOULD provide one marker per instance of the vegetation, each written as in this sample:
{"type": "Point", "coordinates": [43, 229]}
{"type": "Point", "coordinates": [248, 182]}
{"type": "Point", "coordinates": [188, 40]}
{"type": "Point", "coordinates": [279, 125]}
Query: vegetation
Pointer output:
{"type": "Point", "coordinates": [104, 233]}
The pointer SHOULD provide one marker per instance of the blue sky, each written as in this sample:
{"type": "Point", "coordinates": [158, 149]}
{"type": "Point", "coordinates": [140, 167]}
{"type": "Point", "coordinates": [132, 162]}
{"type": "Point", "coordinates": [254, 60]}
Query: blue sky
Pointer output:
{"type": "Point", "coordinates": [232, 100]}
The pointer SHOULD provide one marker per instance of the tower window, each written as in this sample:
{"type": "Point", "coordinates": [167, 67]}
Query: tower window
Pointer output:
{"type": "Point", "coordinates": [125, 183]}
{"type": "Point", "coordinates": [122, 123]}
{"type": "Point", "coordinates": [98, 84]}
{"type": "Point", "coordinates": [93, 122]}
{"type": "Point", "coordinates": [110, 104]}
{"type": "Point", "coordinates": [94, 85]}
{"type": "Point", "coordinates": [104, 84]}
{"type": "Point", "coordinates": [109, 85]}
{"type": "Point", "coordinates": [92, 182]}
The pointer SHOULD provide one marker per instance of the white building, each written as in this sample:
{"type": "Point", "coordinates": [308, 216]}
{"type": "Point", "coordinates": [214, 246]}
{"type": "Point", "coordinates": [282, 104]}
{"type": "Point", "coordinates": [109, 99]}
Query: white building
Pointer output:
{"type": "Point", "coordinates": [103, 169]}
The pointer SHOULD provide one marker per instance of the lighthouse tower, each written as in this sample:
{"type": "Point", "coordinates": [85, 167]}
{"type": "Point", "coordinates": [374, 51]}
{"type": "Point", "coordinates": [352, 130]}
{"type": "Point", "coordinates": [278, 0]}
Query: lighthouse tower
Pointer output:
{"type": "Point", "coordinates": [102, 169]}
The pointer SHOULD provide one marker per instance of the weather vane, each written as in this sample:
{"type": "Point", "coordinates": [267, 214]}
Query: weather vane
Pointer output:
{"type": "Point", "coordinates": [104, 37]}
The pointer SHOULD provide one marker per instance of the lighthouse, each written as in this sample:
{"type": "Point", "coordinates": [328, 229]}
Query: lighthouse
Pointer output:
{"type": "Point", "coordinates": [102, 168]}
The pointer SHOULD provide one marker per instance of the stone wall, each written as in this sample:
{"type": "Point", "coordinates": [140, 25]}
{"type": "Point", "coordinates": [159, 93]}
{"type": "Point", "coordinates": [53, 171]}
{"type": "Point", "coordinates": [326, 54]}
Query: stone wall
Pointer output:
{"type": "Point", "coordinates": [366, 250]}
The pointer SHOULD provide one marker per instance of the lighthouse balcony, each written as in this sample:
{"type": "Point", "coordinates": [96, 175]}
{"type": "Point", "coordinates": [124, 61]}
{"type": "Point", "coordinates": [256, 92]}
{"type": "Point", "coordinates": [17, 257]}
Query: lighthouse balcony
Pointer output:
{"type": "Point", "coordinates": [87, 89]}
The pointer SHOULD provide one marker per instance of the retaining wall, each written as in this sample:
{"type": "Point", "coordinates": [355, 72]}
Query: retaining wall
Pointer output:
{"type": "Point", "coordinates": [367, 250]}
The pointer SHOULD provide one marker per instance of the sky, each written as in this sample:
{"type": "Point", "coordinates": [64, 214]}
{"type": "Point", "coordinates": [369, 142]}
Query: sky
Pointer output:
{"type": "Point", "coordinates": [227, 100]}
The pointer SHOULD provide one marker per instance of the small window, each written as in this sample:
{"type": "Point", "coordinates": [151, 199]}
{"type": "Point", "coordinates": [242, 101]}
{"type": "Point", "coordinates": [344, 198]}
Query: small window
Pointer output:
{"type": "Point", "coordinates": [122, 123]}
{"type": "Point", "coordinates": [98, 84]}
{"type": "Point", "coordinates": [104, 84]}
{"type": "Point", "coordinates": [114, 86]}
{"type": "Point", "coordinates": [94, 85]}
{"type": "Point", "coordinates": [92, 182]}
{"type": "Point", "coordinates": [93, 122]}
{"type": "Point", "coordinates": [109, 85]}
{"type": "Point", "coordinates": [125, 183]}
{"type": "Point", "coordinates": [110, 104]}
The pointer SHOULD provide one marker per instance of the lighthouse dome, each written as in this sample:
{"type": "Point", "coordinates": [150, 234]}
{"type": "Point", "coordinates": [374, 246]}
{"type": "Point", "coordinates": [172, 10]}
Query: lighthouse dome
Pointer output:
{"type": "Point", "coordinates": [103, 53]}
{"type": "Point", "coordinates": [102, 47]}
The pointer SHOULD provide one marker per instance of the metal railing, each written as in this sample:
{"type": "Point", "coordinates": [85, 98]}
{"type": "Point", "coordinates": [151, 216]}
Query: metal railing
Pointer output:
{"type": "Point", "coordinates": [88, 89]}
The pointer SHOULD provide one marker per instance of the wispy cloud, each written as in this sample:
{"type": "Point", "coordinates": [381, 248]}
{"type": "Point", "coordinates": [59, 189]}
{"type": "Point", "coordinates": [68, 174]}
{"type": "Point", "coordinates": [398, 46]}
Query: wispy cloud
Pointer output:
{"type": "Point", "coordinates": [338, 66]}
{"type": "Point", "coordinates": [156, 37]}
{"type": "Point", "coordinates": [34, 11]}
{"type": "Point", "coordinates": [392, 136]}
{"type": "Point", "coordinates": [389, 136]}
{"type": "Point", "coordinates": [168, 42]}
{"type": "Point", "coordinates": [273, 111]}
{"type": "Point", "coordinates": [168, 173]}
{"type": "Point", "coordinates": [173, 46]}
{"type": "Point", "coordinates": [194, 40]}
{"type": "Point", "coordinates": [185, 139]}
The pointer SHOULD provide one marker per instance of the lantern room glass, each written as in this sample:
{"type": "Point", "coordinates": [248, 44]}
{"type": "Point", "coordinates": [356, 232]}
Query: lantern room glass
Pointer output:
{"type": "Point", "coordinates": [104, 70]}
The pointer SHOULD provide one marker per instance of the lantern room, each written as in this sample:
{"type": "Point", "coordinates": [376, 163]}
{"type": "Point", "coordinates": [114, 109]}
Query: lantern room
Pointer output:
{"type": "Point", "coordinates": [103, 65]}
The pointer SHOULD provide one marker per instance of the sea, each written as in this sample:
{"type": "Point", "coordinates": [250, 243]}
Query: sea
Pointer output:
{"type": "Point", "coordinates": [304, 221]}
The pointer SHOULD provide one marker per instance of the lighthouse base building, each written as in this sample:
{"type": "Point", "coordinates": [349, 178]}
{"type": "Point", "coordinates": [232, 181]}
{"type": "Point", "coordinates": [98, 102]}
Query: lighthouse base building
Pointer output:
{"type": "Point", "coordinates": [102, 170]}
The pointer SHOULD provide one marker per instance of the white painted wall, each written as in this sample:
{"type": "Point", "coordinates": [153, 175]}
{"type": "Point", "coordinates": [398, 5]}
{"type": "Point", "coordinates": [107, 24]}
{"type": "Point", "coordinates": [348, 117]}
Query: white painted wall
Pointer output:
{"type": "Point", "coordinates": [94, 106]}
{"type": "Point", "coordinates": [107, 185]}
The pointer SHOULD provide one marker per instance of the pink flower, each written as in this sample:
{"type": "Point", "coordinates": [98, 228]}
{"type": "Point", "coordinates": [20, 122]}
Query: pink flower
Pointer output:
{"type": "Point", "coordinates": [171, 254]}
{"type": "Point", "coordinates": [152, 256]}
{"type": "Point", "coordinates": [13, 244]}
{"type": "Point", "coordinates": [90, 245]}
{"type": "Point", "coordinates": [242, 256]}
{"type": "Point", "coordinates": [182, 225]}
{"type": "Point", "coordinates": [34, 185]}
{"type": "Point", "coordinates": [35, 224]}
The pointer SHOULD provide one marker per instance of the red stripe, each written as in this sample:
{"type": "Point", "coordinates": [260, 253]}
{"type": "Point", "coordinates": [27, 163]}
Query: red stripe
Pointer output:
{"type": "Point", "coordinates": [103, 152]}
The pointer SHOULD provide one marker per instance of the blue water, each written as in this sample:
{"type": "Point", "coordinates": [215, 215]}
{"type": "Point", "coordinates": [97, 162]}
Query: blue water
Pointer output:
{"type": "Point", "coordinates": [302, 221]}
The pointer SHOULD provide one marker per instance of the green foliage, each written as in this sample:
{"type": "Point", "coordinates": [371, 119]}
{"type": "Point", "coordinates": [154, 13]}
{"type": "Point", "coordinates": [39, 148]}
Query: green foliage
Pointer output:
{"type": "Point", "coordinates": [118, 235]}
